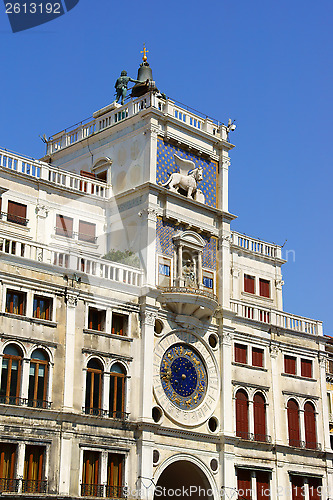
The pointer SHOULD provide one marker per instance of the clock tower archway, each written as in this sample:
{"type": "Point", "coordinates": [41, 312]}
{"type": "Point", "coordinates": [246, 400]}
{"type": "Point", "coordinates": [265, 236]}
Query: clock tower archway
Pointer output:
{"type": "Point", "coordinates": [183, 479]}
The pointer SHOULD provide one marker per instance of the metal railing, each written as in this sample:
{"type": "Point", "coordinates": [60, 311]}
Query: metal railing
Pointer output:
{"type": "Point", "coordinates": [255, 245]}
{"type": "Point", "coordinates": [102, 490]}
{"type": "Point", "coordinates": [101, 412]}
{"type": "Point", "coordinates": [17, 401]}
{"type": "Point", "coordinates": [34, 486]}
{"type": "Point", "coordinates": [16, 219]}
{"type": "Point", "coordinates": [250, 436]}
{"type": "Point", "coordinates": [11, 485]}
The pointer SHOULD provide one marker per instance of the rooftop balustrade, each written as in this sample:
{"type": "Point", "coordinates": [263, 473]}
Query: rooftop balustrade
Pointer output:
{"type": "Point", "coordinates": [275, 317]}
{"type": "Point", "coordinates": [56, 176]}
{"type": "Point", "coordinates": [111, 117]}
{"type": "Point", "coordinates": [256, 246]}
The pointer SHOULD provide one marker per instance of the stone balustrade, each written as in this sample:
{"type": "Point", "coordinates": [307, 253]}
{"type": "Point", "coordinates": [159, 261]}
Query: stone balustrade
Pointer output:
{"type": "Point", "coordinates": [53, 175]}
{"type": "Point", "coordinates": [256, 246]}
{"type": "Point", "coordinates": [277, 318]}
{"type": "Point", "coordinates": [102, 120]}
{"type": "Point", "coordinates": [100, 268]}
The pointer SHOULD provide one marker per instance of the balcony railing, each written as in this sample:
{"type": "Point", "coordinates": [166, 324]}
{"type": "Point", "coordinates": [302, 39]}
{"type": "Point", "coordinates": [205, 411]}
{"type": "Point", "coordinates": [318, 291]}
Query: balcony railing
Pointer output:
{"type": "Point", "coordinates": [189, 291]}
{"type": "Point", "coordinates": [54, 175]}
{"type": "Point", "coordinates": [16, 219]}
{"type": "Point", "coordinates": [276, 318]}
{"type": "Point", "coordinates": [102, 121]}
{"type": "Point", "coordinates": [249, 436]}
{"type": "Point", "coordinates": [256, 246]}
{"type": "Point", "coordinates": [34, 486]}
{"type": "Point", "coordinates": [16, 401]}
{"type": "Point", "coordinates": [102, 490]}
{"type": "Point", "coordinates": [101, 268]}
{"type": "Point", "coordinates": [297, 443]}
{"type": "Point", "coordinates": [101, 412]}
{"type": "Point", "coordinates": [11, 485]}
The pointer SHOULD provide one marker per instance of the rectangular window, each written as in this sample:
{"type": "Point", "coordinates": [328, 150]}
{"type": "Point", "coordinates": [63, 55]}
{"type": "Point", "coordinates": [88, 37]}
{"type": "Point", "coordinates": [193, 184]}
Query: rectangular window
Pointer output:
{"type": "Point", "coordinates": [264, 288]}
{"type": "Point", "coordinates": [208, 280]}
{"type": "Point", "coordinates": [64, 226]}
{"type": "Point", "coordinates": [306, 368]}
{"type": "Point", "coordinates": [90, 475]}
{"type": "Point", "coordinates": [241, 353]}
{"type": "Point", "coordinates": [315, 487]}
{"type": "Point", "coordinates": [257, 357]}
{"type": "Point", "coordinates": [114, 485]}
{"type": "Point", "coordinates": [15, 302]}
{"type": "Point", "coordinates": [244, 484]}
{"type": "Point", "coordinates": [87, 231]}
{"type": "Point", "coordinates": [330, 366]}
{"type": "Point", "coordinates": [7, 467]}
{"type": "Point", "coordinates": [17, 213]}
{"type": "Point", "coordinates": [263, 488]}
{"type": "Point", "coordinates": [96, 319]}
{"type": "Point", "coordinates": [290, 365]}
{"type": "Point", "coordinates": [34, 470]}
{"type": "Point", "coordinates": [42, 307]}
{"type": "Point", "coordinates": [249, 283]}
{"type": "Point", "coordinates": [164, 272]}
{"type": "Point", "coordinates": [297, 488]}
{"type": "Point", "coordinates": [119, 324]}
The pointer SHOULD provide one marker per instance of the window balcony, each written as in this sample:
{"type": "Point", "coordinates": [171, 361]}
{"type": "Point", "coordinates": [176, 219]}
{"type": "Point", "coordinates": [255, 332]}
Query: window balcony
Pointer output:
{"type": "Point", "coordinates": [259, 438]}
{"type": "Point", "coordinates": [11, 485]}
{"type": "Point", "coordinates": [100, 412]}
{"type": "Point", "coordinates": [33, 403]}
{"type": "Point", "coordinates": [16, 219]}
{"type": "Point", "coordinates": [34, 486]}
{"type": "Point", "coordinates": [192, 305]}
{"type": "Point", "coordinates": [103, 491]}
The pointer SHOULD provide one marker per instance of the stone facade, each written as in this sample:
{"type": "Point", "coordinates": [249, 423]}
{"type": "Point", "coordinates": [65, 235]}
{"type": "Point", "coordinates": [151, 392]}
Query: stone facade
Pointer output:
{"type": "Point", "coordinates": [172, 365]}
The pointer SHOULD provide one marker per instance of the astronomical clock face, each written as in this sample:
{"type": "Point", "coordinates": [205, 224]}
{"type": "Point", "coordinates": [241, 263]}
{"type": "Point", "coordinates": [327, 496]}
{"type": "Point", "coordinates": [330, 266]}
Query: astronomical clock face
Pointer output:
{"type": "Point", "coordinates": [183, 376]}
{"type": "Point", "coordinates": [186, 382]}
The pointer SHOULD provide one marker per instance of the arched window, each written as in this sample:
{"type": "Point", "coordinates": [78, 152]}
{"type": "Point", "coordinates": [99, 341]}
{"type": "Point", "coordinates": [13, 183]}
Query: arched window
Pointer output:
{"type": "Point", "coordinates": [11, 375]}
{"type": "Point", "coordinates": [293, 423]}
{"type": "Point", "coordinates": [117, 391]}
{"type": "Point", "coordinates": [93, 403]}
{"type": "Point", "coordinates": [38, 379]}
{"type": "Point", "coordinates": [310, 426]}
{"type": "Point", "coordinates": [242, 414]}
{"type": "Point", "coordinates": [259, 410]}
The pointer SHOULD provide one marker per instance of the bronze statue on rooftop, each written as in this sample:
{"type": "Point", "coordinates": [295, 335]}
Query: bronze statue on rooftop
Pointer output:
{"type": "Point", "coordinates": [121, 86]}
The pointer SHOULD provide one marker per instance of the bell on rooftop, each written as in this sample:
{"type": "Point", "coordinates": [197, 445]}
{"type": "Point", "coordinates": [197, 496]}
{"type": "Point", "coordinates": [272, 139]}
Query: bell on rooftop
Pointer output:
{"type": "Point", "coordinates": [145, 75]}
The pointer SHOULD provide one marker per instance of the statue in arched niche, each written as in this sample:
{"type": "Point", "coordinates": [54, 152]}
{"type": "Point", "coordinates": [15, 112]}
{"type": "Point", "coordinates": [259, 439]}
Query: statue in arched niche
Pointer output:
{"type": "Point", "coordinates": [188, 273]}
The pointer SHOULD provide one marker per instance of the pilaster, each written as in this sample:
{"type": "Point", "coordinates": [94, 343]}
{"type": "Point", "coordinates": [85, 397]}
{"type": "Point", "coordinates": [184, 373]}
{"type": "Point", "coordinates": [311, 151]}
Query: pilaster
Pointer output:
{"type": "Point", "coordinates": [71, 300]}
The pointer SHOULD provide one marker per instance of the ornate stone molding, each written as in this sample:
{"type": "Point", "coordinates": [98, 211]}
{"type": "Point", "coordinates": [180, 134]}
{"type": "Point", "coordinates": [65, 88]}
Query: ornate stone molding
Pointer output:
{"type": "Point", "coordinates": [274, 350]}
{"type": "Point", "coordinates": [279, 283]}
{"type": "Point", "coordinates": [41, 211]}
{"type": "Point", "coordinates": [150, 213]}
{"type": "Point", "coordinates": [149, 317]}
{"type": "Point", "coordinates": [71, 299]}
{"type": "Point", "coordinates": [322, 357]}
{"type": "Point", "coordinates": [235, 272]}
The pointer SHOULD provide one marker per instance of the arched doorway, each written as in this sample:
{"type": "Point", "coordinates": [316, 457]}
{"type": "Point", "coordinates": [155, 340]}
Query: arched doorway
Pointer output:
{"type": "Point", "coordinates": [183, 479]}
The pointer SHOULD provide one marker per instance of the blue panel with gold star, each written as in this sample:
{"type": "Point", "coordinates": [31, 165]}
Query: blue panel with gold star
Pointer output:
{"type": "Point", "coordinates": [183, 376]}
{"type": "Point", "coordinates": [166, 165]}
{"type": "Point", "coordinates": [164, 244]}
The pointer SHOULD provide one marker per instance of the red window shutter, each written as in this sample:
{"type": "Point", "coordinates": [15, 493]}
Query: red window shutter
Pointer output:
{"type": "Point", "coordinates": [259, 417]}
{"type": "Point", "coordinates": [314, 488]}
{"type": "Point", "coordinates": [290, 365]}
{"type": "Point", "coordinates": [297, 488]}
{"type": "Point", "coordinates": [64, 226]}
{"type": "Point", "coordinates": [244, 484]}
{"type": "Point", "coordinates": [16, 212]}
{"type": "Point", "coordinates": [263, 490]}
{"type": "Point", "coordinates": [293, 423]}
{"type": "Point", "coordinates": [241, 353]}
{"type": "Point", "coordinates": [90, 175]}
{"type": "Point", "coordinates": [242, 418]}
{"type": "Point", "coordinates": [257, 357]}
{"type": "Point", "coordinates": [306, 368]}
{"type": "Point", "coordinates": [248, 283]}
{"type": "Point", "coordinates": [310, 426]}
{"type": "Point", "coordinates": [264, 288]}
{"type": "Point", "coordinates": [87, 231]}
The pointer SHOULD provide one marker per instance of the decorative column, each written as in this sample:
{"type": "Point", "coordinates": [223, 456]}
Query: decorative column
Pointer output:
{"type": "Point", "coordinates": [322, 421]}
{"type": "Point", "coordinates": [200, 270]}
{"type": "Point", "coordinates": [147, 231]}
{"type": "Point", "coordinates": [25, 378]}
{"type": "Point", "coordinates": [275, 416]}
{"type": "Point", "coordinates": [20, 463]}
{"type": "Point", "coordinates": [148, 316]}
{"type": "Point", "coordinates": [71, 300]}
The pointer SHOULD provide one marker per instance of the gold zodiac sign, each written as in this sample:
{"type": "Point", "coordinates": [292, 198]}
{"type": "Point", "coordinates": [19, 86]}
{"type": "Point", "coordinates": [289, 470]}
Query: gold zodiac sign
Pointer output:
{"type": "Point", "coordinates": [167, 375]}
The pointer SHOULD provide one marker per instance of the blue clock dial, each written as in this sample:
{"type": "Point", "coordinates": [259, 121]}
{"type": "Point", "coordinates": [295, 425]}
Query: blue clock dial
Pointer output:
{"type": "Point", "coordinates": [183, 376]}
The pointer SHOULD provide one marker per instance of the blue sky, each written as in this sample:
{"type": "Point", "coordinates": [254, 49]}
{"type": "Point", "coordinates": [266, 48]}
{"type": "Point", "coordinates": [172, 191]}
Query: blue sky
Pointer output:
{"type": "Point", "coordinates": [266, 64]}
